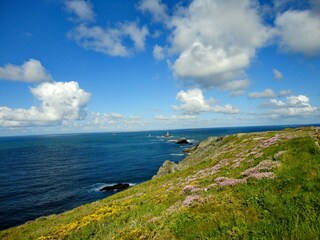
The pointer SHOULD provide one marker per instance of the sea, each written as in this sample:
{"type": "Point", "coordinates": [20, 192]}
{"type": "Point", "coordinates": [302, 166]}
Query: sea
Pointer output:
{"type": "Point", "coordinates": [49, 174]}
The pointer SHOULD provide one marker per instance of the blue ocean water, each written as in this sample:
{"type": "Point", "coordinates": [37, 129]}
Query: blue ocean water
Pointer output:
{"type": "Point", "coordinates": [42, 175]}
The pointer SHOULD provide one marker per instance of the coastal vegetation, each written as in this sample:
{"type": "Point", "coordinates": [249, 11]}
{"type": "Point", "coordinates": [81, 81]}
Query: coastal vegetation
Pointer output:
{"type": "Point", "coordinates": [242, 186]}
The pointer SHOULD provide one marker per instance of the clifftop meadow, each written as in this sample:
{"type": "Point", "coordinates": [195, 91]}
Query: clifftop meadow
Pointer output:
{"type": "Point", "coordinates": [243, 186]}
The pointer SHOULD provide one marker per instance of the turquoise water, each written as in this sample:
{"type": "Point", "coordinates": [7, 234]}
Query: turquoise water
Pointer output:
{"type": "Point", "coordinates": [42, 175]}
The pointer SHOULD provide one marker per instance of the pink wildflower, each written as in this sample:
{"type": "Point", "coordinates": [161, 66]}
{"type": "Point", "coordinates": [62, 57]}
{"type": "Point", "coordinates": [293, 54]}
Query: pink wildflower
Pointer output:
{"type": "Point", "coordinates": [225, 181]}
{"type": "Point", "coordinates": [268, 175]}
{"type": "Point", "coordinates": [191, 199]}
{"type": "Point", "coordinates": [190, 189]}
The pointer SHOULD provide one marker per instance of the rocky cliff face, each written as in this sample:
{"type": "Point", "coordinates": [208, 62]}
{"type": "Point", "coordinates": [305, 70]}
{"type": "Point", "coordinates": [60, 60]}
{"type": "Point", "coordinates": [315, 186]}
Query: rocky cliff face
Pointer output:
{"type": "Point", "coordinates": [197, 155]}
{"type": "Point", "coordinates": [167, 167]}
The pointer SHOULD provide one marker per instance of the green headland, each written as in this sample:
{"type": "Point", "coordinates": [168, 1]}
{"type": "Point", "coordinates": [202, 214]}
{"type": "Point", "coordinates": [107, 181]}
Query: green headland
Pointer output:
{"type": "Point", "coordinates": [243, 186]}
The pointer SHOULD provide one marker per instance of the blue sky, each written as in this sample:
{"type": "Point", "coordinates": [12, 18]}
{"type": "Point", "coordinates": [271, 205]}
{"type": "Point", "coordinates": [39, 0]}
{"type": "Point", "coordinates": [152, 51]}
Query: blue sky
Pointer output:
{"type": "Point", "coordinates": [83, 66]}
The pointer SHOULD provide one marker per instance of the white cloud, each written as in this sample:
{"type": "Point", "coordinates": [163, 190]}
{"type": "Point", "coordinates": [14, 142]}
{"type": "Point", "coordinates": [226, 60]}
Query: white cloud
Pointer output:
{"type": "Point", "coordinates": [136, 34]}
{"type": "Point", "coordinates": [161, 117]}
{"type": "Point", "coordinates": [211, 66]}
{"type": "Point", "coordinates": [277, 75]}
{"type": "Point", "coordinates": [296, 111]}
{"type": "Point", "coordinates": [218, 39]}
{"type": "Point", "coordinates": [273, 103]}
{"type": "Point", "coordinates": [104, 119]}
{"type": "Point", "coordinates": [298, 101]}
{"type": "Point", "coordinates": [296, 106]}
{"type": "Point", "coordinates": [267, 93]}
{"type": "Point", "coordinates": [299, 31]}
{"type": "Point", "coordinates": [193, 102]}
{"type": "Point", "coordinates": [112, 121]}
{"type": "Point", "coordinates": [228, 109]}
{"type": "Point", "coordinates": [133, 121]}
{"type": "Point", "coordinates": [30, 71]}
{"type": "Point", "coordinates": [115, 115]}
{"type": "Point", "coordinates": [59, 101]}
{"type": "Point", "coordinates": [236, 87]}
{"type": "Point", "coordinates": [110, 41]}
{"type": "Point", "coordinates": [155, 8]}
{"type": "Point", "coordinates": [175, 118]}
{"type": "Point", "coordinates": [82, 9]}
{"type": "Point", "coordinates": [284, 93]}
{"type": "Point", "coordinates": [158, 53]}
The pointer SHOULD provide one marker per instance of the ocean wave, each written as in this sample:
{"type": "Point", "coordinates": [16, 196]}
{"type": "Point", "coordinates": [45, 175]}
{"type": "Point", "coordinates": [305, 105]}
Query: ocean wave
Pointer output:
{"type": "Point", "coordinates": [191, 141]}
{"type": "Point", "coordinates": [177, 154]}
{"type": "Point", "coordinates": [96, 187]}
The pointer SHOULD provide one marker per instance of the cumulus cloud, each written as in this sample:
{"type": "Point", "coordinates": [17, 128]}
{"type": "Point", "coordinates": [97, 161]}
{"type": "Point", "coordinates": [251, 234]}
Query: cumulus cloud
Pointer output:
{"type": "Point", "coordinates": [284, 93]}
{"type": "Point", "coordinates": [236, 87]}
{"type": "Point", "coordinates": [155, 8]}
{"type": "Point", "coordinates": [298, 101]}
{"type": "Point", "coordinates": [218, 39]}
{"type": "Point", "coordinates": [136, 34]}
{"type": "Point", "coordinates": [273, 103]}
{"type": "Point", "coordinates": [277, 75]}
{"type": "Point", "coordinates": [59, 101]}
{"type": "Point", "coordinates": [158, 52]}
{"type": "Point", "coordinates": [30, 71]}
{"type": "Point", "coordinates": [114, 121]}
{"type": "Point", "coordinates": [294, 107]}
{"type": "Point", "coordinates": [267, 93]}
{"type": "Point", "coordinates": [193, 102]}
{"type": "Point", "coordinates": [83, 10]}
{"type": "Point", "coordinates": [299, 31]}
{"type": "Point", "coordinates": [110, 41]}
{"type": "Point", "coordinates": [227, 109]}
{"type": "Point", "coordinates": [103, 119]}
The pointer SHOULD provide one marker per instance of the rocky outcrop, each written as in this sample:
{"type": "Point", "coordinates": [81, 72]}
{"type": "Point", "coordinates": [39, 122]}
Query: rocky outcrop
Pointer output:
{"type": "Point", "coordinates": [197, 153]}
{"type": "Point", "coordinates": [116, 187]}
{"type": "Point", "coordinates": [190, 150]}
{"type": "Point", "coordinates": [167, 167]}
{"type": "Point", "coordinates": [182, 141]}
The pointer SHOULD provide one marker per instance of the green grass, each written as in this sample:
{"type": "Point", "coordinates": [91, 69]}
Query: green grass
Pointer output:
{"type": "Point", "coordinates": [287, 207]}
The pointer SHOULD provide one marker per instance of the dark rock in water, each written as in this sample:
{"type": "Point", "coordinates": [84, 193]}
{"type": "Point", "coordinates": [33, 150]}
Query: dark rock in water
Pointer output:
{"type": "Point", "coordinates": [182, 141]}
{"type": "Point", "coordinates": [119, 186]}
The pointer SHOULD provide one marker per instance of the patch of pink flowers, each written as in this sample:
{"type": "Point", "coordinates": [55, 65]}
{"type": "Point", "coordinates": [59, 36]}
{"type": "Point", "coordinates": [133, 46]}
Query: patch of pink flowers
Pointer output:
{"type": "Point", "coordinates": [192, 199]}
{"type": "Point", "coordinates": [258, 176]}
{"type": "Point", "coordinates": [190, 189]}
{"type": "Point", "coordinates": [258, 155]}
{"type": "Point", "coordinates": [225, 181]}
{"type": "Point", "coordinates": [265, 165]}
{"type": "Point", "coordinates": [270, 141]}
{"type": "Point", "coordinates": [279, 154]}
{"type": "Point", "coordinates": [237, 162]}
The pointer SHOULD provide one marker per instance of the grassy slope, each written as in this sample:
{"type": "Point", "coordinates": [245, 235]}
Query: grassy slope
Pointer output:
{"type": "Point", "coordinates": [195, 203]}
